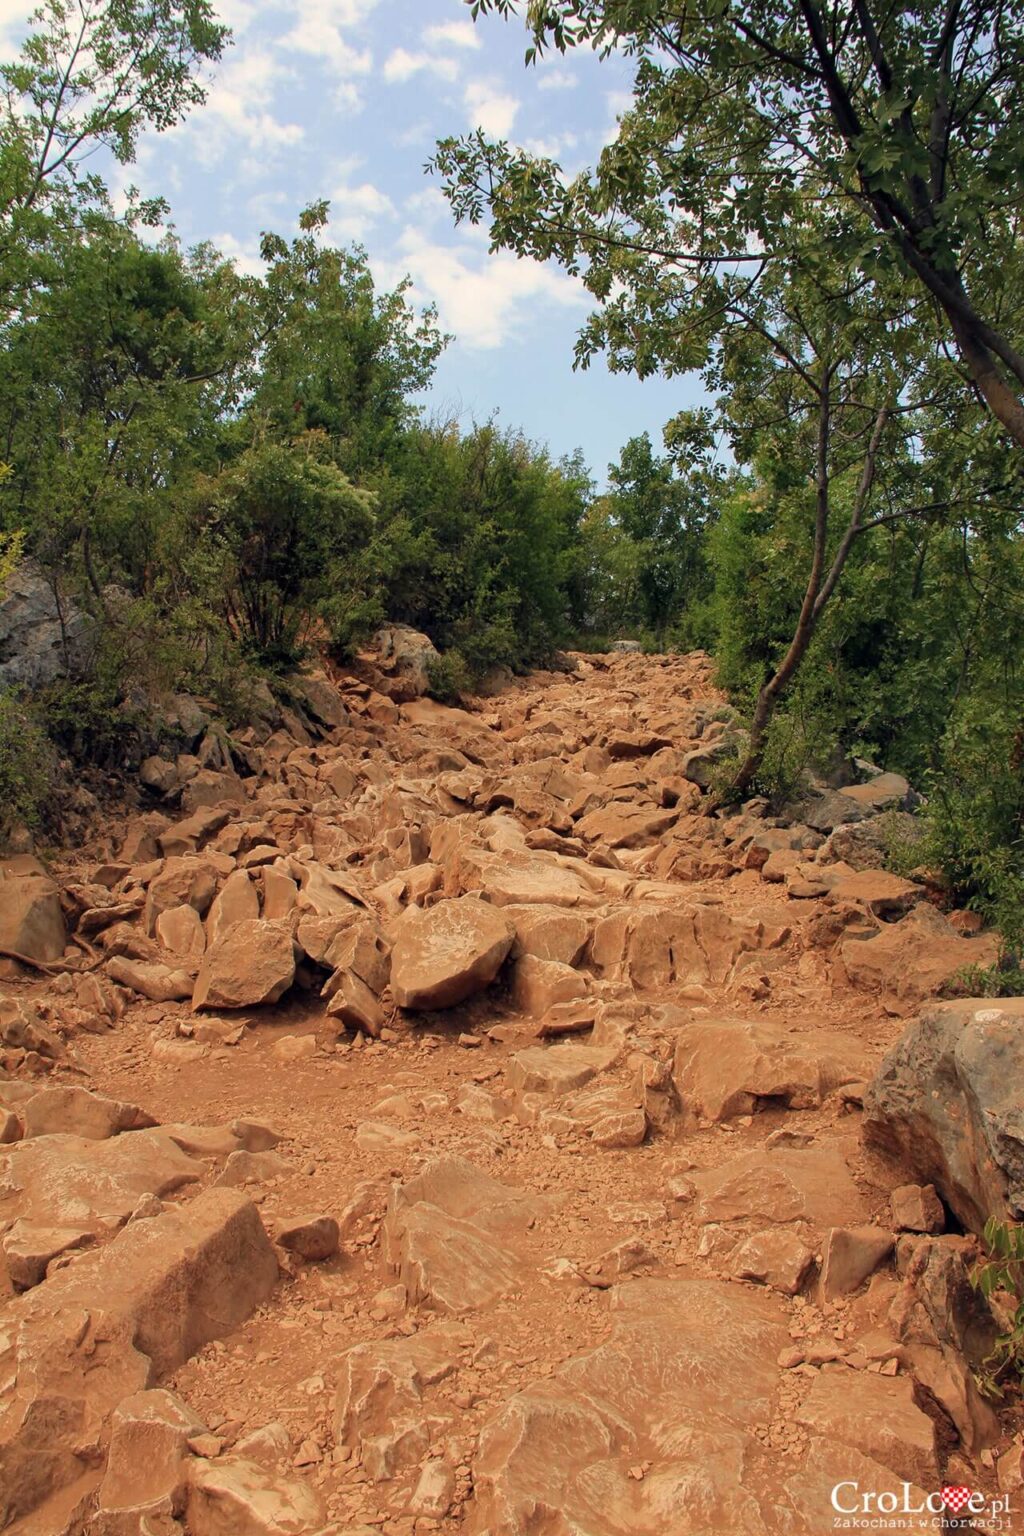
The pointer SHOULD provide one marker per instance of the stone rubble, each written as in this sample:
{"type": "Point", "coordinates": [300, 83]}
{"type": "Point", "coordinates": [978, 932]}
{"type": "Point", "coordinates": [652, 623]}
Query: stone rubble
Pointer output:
{"type": "Point", "coordinates": [425, 1119]}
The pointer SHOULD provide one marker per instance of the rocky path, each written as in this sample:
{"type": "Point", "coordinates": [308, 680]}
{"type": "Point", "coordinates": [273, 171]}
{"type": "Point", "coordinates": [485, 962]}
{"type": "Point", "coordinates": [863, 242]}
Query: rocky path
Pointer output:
{"type": "Point", "coordinates": [440, 1125]}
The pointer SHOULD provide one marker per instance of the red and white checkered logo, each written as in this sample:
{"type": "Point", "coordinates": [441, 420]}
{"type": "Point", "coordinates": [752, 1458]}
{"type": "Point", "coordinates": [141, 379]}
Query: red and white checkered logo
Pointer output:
{"type": "Point", "coordinates": [956, 1498]}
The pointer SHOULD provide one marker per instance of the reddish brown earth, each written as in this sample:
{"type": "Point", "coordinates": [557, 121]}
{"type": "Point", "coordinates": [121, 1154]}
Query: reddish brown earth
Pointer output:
{"type": "Point", "coordinates": [612, 1257]}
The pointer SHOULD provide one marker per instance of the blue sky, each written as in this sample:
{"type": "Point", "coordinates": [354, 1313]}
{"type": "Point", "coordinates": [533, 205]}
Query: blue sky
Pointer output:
{"type": "Point", "coordinates": [345, 99]}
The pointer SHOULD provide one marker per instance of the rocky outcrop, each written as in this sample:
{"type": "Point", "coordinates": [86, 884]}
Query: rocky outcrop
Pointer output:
{"type": "Point", "coordinates": [31, 919]}
{"type": "Point", "coordinates": [43, 634]}
{"type": "Point", "coordinates": [945, 1105]}
{"type": "Point", "coordinates": [406, 657]}
{"type": "Point", "coordinates": [659, 1418]}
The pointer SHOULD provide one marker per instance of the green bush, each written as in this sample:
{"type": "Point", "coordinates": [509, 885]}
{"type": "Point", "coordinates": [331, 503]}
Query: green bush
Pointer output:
{"type": "Point", "coordinates": [1001, 1271]}
{"type": "Point", "coordinates": [975, 819]}
{"type": "Point", "coordinates": [91, 723]}
{"type": "Point", "coordinates": [1004, 979]}
{"type": "Point", "coordinates": [449, 677]}
{"type": "Point", "coordinates": [27, 766]}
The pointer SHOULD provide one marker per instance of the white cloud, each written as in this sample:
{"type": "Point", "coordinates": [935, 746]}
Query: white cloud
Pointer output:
{"type": "Point", "coordinates": [484, 299]}
{"type": "Point", "coordinates": [355, 210]}
{"type": "Point", "coordinates": [459, 34]}
{"type": "Point", "coordinates": [553, 148]}
{"type": "Point", "coordinates": [618, 103]}
{"type": "Point", "coordinates": [236, 110]}
{"type": "Point", "coordinates": [348, 97]}
{"type": "Point", "coordinates": [415, 136]}
{"type": "Point", "coordinates": [244, 254]}
{"type": "Point", "coordinates": [316, 34]}
{"type": "Point", "coordinates": [557, 80]}
{"type": "Point", "coordinates": [427, 206]}
{"type": "Point", "coordinates": [401, 65]}
{"type": "Point", "coordinates": [319, 32]}
{"type": "Point", "coordinates": [491, 109]}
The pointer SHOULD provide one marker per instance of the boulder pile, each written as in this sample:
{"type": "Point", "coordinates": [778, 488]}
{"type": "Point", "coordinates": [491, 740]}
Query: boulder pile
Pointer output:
{"type": "Point", "coordinates": [428, 1119]}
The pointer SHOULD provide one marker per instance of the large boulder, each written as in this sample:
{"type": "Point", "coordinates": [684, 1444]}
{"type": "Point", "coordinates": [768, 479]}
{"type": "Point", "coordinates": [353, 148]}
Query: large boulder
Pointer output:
{"type": "Point", "coordinates": [912, 959]}
{"type": "Point", "coordinates": [40, 639]}
{"type": "Point", "coordinates": [111, 1325]}
{"type": "Point", "coordinates": [31, 921]}
{"type": "Point", "coordinates": [946, 1106]}
{"type": "Point", "coordinates": [407, 656]}
{"type": "Point", "coordinates": [882, 792]}
{"type": "Point", "coordinates": [252, 964]}
{"type": "Point", "coordinates": [446, 953]}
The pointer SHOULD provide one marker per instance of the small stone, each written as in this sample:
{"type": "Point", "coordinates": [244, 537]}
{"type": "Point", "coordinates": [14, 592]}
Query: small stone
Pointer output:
{"type": "Point", "coordinates": [206, 1445]}
{"type": "Point", "coordinates": [294, 1047]}
{"type": "Point", "coordinates": [313, 1238]}
{"type": "Point", "coordinates": [917, 1208]}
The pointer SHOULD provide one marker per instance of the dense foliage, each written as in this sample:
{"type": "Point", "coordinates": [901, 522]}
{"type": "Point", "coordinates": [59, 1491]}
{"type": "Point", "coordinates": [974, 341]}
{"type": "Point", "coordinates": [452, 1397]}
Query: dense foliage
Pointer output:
{"type": "Point", "coordinates": [819, 206]}
{"type": "Point", "coordinates": [816, 206]}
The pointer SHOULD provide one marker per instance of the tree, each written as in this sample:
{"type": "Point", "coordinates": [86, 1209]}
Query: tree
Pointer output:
{"type": "Point", "coordinates": [112, 383]}
{"type": "Point", "coordinates": [802, 196]}
{"type": "Point", "coordinates": [661, 516]}
{"type": "Point", "coordinates": [909, 122]}
{"type": "Point", "coordinates": [339, 356]}
{"type": "Point", "coordinates": [289, 524]}
{"type": "Point", "coordinates": [90, 75]}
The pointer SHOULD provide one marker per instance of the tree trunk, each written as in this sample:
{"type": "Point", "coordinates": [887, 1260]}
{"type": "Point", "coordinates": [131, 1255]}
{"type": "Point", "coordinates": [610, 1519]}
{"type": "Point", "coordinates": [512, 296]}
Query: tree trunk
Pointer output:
{"type": "Point", "coordinates": [1001, 400]}
{"type": "Point", "coordinates": [819, 589]}
{"type": "Point", "coordinates": [768, 699]}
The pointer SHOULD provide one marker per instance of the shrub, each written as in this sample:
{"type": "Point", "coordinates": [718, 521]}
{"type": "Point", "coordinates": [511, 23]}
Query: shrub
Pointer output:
{"type": "Point", "coordinates": [1002, 1270]}
{"type": "Point", "coordinates": [975, 818]}
{"type": "Point", "coordinates": [449, 676]}
{"type": "Point", "coordinates": [27, 766]}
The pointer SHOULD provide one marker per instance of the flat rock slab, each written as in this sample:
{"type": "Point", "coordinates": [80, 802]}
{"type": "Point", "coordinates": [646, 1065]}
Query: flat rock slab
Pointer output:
{"type": "Point", "coordinates": [451, 1236]}
{"type": "Point", "coordinates": [688, 1370]}
{"type": "Point", "coordinates": [76, 1111]}
{"type": "Point", "coordinates": [727, 1067]}
{"type": "Point", "coordinates": [31, 920]}
{"type": "Point", "coordinates": [557, 1069]}
{"type": "Point", "coordinates": [62, 1191]}
{"type": "Point", "coordinates": [876, 1415]}
{"type": "Point", "coordinates": [519, 878]}
{"type": "Point", "coordinates": [788, 1184]}
{"type": "Point", "coordinates": [912, 958]}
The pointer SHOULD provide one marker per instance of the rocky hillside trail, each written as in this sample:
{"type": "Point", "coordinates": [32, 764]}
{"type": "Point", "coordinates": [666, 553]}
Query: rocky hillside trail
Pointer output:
{"type": "Point", "coordinates": [419, 1119]}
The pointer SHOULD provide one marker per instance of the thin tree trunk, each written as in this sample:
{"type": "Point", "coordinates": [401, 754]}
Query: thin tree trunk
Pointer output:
{"type": "Point", "coordinates": [819, 589]}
